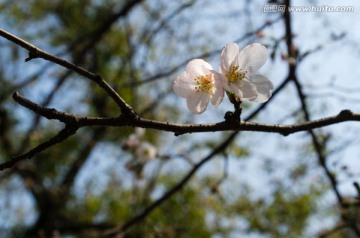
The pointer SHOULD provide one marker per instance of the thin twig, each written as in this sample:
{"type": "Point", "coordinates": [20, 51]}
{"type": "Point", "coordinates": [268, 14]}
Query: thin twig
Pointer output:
{"type": "Point", "coordinates": [319, 147]}
{"type": "Point", "coordinates": [60, 137]}
{"type": "Point", "coordinates": [201, 56]}
{"type": "Point", "coordinates": [35, 52]}
{"type": "Point", "coordinates": [173, 190]}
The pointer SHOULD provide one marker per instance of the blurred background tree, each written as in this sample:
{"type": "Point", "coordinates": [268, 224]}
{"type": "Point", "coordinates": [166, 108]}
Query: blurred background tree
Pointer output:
{"type": "Point", "coordinates": [154, 184]}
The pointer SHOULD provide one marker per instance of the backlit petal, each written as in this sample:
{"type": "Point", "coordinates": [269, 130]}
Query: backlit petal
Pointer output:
{"type": "Point", "coordinates": [263, 87]}
{"type": "Point", "coordinates": [218, 95]}
{"type": "Point", "coordinates": [252, 57]}
{"type": "Point", "coordinates": [183, 85]}
{"type": "Point", "coordinates": [234, 88]}
{"type": "Point", "coordinates": [228, 55]}
{"type": "Point", "coordinates": [197, 67]}
{"type": "Point", "coordinates": [248, 89]}
{"type": "Point", "coordinates": [197, 102]}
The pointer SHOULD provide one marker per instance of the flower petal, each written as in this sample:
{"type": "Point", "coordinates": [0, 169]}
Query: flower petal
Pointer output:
{"type": "Point", "coordinates": [248, 89]}
{"type": "Point", "coordinates": [218, 95]}
{"type": "Point", "coordinates": [183, 85]}
{"type": "Point", "coordinates": [263, 87]}
{"type": "Point", "coordinates": [234, 88]}
{"type": "Point", "coordinates": [252, 57]}
{"type": "Point", "coordinates": [226, 85]}
{"type": "Point", "coordinates": [228, 55]}
{"type": "Point", "coordinates": [197, 67]}
{"type": "Point", "coordinates": [197, 102]}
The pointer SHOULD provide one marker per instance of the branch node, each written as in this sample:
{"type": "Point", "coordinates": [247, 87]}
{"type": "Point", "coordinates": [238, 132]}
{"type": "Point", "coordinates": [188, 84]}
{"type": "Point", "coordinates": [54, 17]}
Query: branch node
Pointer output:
{"type": "Point", "coordinates": [130, 116]}
{"type": "Point", "coordinates": [32, 55]}
{"type": "Point", "coordinates": [15, 95]}
{"type": "Point", "coordinates": [229, 117]}
{"type": "Point", "coordinates": [285, 133]}
{"type": "Point", "coordinates": [234, 117]}
{"type": "Point", "coordinates": [345, 114]}
{"type": "Point", "coordinates": [71, 128]}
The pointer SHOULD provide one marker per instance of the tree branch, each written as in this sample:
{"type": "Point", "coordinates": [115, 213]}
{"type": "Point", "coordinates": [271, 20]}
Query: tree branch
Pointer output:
{"type": "Point", "coordinates": [35, 52]}
{"type": "Point", "coordinates": [172, 191]}
{"type": "Point", "coordinates": [60, 137]}
{"type": "Point", "coordinates": [179, 129]}
{"type": "Point", "coordinates": [319, 147]}
{"type": "Point", "coordinates": [83, 155]}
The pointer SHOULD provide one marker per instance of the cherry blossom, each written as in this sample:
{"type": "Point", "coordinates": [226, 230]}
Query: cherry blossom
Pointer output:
{"type": "Point", "coordinates": [134, 139]}
{"type": "Point", "coordinates": [145, 152]}
{"type": "Point", "coordinates": [239, 70]}
{"type": "Point", "coordinates": [199, 84]}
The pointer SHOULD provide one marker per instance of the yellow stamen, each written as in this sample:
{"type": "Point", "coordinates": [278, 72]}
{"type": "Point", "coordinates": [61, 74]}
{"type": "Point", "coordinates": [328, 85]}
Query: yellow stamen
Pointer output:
{"type": "Point", "coordinates": [204, 84]}
{"type": "Point", "coordinates": [235, 74]}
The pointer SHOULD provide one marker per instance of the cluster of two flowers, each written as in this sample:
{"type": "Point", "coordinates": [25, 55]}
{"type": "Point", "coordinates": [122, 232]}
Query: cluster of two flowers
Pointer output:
{"type": "Point", "coordinates": [199, 83]}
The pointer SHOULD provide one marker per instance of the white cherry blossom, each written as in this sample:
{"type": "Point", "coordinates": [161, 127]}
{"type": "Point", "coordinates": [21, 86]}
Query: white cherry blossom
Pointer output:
{"type": "Point", "coordinates": [239, 70]}
{"type": "Point", "coordinates": [145, 152]}
{"type": "Point", "coordinates": [199, 84]}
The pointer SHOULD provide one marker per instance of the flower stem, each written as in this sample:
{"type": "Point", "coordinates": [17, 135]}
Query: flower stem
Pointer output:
{"type": "Point", "coordinates": [234, 116]}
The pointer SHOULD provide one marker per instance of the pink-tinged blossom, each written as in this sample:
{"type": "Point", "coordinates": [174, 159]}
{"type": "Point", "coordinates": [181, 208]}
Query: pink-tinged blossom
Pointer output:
{"type": "Point", "coordinates": [239, 72]}
{"type": "Point", "coordinates": [199, 84]}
